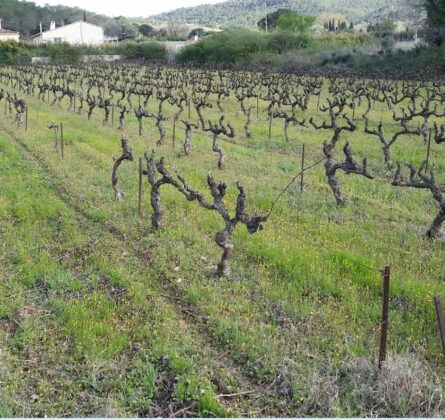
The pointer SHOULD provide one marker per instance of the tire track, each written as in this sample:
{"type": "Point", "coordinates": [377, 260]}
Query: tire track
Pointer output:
{"type": "Point", "coordinates": [269, 392]}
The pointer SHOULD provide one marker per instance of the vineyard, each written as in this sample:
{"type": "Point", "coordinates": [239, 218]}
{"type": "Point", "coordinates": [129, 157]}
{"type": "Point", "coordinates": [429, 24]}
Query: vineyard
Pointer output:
{"type": "Point", "coordinates": [190, 242]}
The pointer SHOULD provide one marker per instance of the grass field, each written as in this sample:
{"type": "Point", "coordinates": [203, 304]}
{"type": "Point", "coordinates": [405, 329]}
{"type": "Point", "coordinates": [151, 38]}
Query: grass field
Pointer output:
{"type": "Point", "coordinates": [101, 316]}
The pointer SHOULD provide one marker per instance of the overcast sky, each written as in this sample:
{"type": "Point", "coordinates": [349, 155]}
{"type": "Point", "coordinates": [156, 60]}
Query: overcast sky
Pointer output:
{"type": "Point", "coordinates": [130, 8]}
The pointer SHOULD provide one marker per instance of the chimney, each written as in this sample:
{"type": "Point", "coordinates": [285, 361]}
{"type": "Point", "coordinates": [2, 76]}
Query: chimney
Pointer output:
{"type": "Point", "coordinates": [52, 26]}
{"type": "Point", "coordinates": [1, 20]}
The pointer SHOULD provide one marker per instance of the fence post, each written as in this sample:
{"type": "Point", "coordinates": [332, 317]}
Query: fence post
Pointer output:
{"type": "Point", "coordinates": [62, 144]}
{"type": "Point", "coordinates": [440, 321]}
{"type": "Point", "coordinates": [318, 101]}
{"type": "Point", "coordinates": [302, 169]}
{"type": "Point", "coordinates": [140, 187]}
{"type": "Point", "coordinates": [174, 129]}
{"type": "Point", "coordinates": [428, 148]}
{"type": "Point", "coordinates": [385, 309]}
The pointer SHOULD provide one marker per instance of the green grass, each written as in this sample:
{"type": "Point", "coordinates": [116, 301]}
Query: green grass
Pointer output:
{"type": "Point", "coordinates": [126, 323]}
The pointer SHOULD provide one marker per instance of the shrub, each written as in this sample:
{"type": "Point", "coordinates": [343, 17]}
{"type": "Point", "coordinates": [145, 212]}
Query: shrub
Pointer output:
{"type": "Point", "coordinates": [282, 41]}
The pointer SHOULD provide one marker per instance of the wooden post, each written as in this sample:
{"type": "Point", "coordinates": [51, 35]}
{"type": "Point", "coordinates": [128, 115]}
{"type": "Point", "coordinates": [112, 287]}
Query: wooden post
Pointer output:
{"type": "Point", "coordinates": [440, 321]}
{"type": "Point", "coordinates": [6, 106]}
{"type": "Point", "coordinates": [353, 110]}
{"type": "Point", "coordinates": [270, 126]}
{"type": "Point", "coordinates": [48, 95]}
{"type": "Point", "coordinates": [174, 129]}
{"type": "Point", "coordinates": [26, 119]}
{"type": "Point", "coordinates": [318, 101]}
{"type": "Point", "coordinates": [385, 309]}
{"type": "Point", "coordinates": [428, 148]}
{"type": "Point", "coordinates": [62, 144]}
{"type": "Point", "coordinates": [302, 169]}
{"type": "Point", "coordinates": [140, 187]}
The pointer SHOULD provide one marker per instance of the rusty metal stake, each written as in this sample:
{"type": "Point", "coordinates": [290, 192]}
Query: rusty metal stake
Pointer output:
{"type": "Point", "coordinates": [440, 320]}
{"type": "Point", "coordinates": [62, 143]}
{"type": "Point", "coordinates": [428, 148]}
{"type": "Point", "coordinates": [385, 309]}
{"type": "Point", "coordinates": [140, 187]}
{"type": "Point", "coordinates": [302, 169]}
{"type": "Point", "coordinates": [174, 129]}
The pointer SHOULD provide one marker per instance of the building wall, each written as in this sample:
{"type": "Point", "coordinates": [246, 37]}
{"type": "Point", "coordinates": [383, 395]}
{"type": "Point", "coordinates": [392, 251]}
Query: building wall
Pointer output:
{"type": "Point", "coordinates": [78, 33]}
{"type": "Point", "coordinates": [9, 37]}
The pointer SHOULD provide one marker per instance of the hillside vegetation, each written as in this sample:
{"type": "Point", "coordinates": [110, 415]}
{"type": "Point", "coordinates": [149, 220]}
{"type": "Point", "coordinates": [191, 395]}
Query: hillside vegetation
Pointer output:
{"type": "Point", "coordinates": [248, 12]}
{"type": "Point", "coordinates": [25, 17]}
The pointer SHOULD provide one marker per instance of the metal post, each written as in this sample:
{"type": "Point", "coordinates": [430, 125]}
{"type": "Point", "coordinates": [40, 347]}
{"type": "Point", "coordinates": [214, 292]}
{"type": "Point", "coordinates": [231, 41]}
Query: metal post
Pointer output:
{"type": "Point", "coordinates": [140, 187]}
{"type": "Point", "coordinates": [302, 168]}
{"type": "Point", "coordinates": [440, 320]}
{"type": "Point", "coordinates": [428, 148]}
{"type": "Point", "coordinates": [62, 144]}
{"type": "Point", "coordinates": [174, 129]}
{"type": "Point", "coordinates": [385, 309]}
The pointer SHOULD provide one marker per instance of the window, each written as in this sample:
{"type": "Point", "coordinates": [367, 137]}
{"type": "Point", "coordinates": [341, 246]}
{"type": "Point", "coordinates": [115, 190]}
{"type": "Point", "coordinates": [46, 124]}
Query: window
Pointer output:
{"type": "Point", "coordinates": [57, 40]}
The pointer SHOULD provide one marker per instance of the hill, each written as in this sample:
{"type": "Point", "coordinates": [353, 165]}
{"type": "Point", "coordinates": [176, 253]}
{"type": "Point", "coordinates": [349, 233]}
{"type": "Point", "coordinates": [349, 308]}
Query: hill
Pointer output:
{"type": "Point", "coordinates": [25, 17]}
{"type": "Point", "coordinates": [248, 12]}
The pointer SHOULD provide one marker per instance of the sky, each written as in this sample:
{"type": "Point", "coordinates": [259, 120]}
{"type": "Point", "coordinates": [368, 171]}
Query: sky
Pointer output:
{"type": "Point", "coordinates": [131, 8]}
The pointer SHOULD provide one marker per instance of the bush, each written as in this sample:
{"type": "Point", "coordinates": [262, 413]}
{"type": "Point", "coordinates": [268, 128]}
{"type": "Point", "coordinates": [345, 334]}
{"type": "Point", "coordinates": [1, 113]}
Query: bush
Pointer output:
{"type": "Point", "coordinates": [225, 47]}
{"type": "Point", "coordinates": [279, 42]}
{"type": "Point", "coordinates": [21, 52]}
{"type": "Point", "coordinates": [241, 46]}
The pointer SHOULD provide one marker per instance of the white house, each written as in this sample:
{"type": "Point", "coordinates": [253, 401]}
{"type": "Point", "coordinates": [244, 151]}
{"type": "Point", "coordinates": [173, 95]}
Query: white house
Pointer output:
{"type": "Point", "coordinates": [77, 33]}
{"type": "Point", "coordinates": [7, 35]}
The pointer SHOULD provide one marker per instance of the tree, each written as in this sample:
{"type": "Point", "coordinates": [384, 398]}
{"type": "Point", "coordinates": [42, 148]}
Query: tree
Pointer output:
{"type": "Point", "coordinates": [435, 10]}
{"type": "Point", "coordinates": [199, 32]}
{"type": "Point", "coordinates": [291, 21]}
{"type": "Point", "coordinates": [270, 20]}
{"type": "Point", "coordinates": [146, 30]}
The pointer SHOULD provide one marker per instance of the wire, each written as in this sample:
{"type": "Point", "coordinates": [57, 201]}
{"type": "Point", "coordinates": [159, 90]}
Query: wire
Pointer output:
{"type": "Point", "coordinates": [292, 181]}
